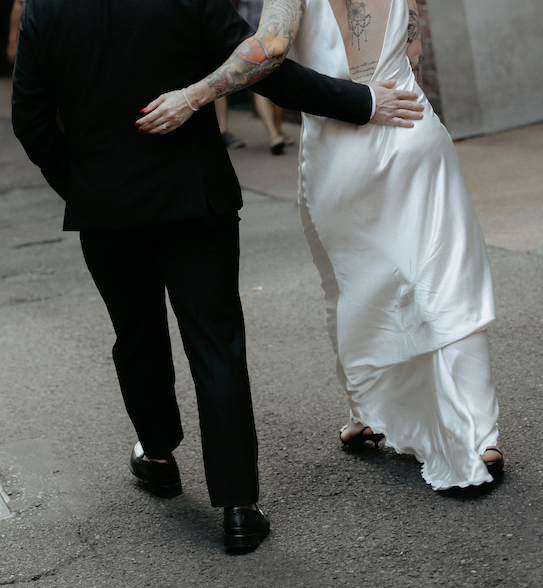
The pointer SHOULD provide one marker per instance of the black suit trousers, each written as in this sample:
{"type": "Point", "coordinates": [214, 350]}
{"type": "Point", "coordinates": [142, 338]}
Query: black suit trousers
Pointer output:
{"type": "Point", "coordinates": [197, 263]}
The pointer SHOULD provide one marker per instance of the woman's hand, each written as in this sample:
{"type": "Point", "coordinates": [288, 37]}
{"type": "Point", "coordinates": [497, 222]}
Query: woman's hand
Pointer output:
{"type": "Point", "coordinates": [168, 112]}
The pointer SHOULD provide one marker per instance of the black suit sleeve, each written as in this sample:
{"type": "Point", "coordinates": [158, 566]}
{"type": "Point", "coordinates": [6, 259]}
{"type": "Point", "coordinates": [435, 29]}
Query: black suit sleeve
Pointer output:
{"type": "Point", "coordinates": [34, 116]}
{"type": "Point", "coordinates": [300, 88]}
{"type": "Point", "coordinates": [292, 85]}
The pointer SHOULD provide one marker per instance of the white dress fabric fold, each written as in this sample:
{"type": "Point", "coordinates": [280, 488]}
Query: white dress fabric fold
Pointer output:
{"type": "Point", "coordinates": [403, 265]}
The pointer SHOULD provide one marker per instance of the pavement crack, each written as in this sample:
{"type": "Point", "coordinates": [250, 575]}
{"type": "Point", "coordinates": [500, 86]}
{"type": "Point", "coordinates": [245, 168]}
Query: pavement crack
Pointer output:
{"type": "Point", "coordinates": [49, 573]}
{"type": "Point", "coordinates": [35, 243]}
{"type": "Point", "coordinates": [8, 189]}
{"type": "Point", "coordinates": [16, 301]}
{"type": "Point", "coordinates": [34, 578]}
{"type": "Point", "coordinates": [36, 274]}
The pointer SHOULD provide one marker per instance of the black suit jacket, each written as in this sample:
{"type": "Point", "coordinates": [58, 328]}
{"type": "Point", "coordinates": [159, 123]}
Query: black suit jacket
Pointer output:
{"type": "Point", "coordinates": [99, 62]}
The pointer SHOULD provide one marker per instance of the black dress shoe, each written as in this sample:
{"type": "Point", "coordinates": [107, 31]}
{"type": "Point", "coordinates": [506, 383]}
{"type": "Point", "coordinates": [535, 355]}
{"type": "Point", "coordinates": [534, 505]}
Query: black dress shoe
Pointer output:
{"type": "Point", "coordinates": [244, 529]}
{"type": "Point", "coordinates": [162, 479]}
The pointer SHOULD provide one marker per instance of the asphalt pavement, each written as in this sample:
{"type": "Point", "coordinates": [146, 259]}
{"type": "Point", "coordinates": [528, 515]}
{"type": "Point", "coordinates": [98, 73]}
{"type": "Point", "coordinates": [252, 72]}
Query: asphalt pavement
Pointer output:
{"type": "Point", "coordinates": [71, 514]}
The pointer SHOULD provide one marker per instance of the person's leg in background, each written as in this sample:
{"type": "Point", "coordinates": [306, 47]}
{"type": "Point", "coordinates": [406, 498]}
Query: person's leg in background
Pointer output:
{"type": "Point", "coordinates": [230, 141]}
{"type": "Point", "coordinates": [272, 117]}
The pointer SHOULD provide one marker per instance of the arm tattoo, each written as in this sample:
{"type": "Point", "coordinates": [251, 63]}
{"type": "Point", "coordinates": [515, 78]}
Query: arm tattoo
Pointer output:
{"type": "Point", "coordinates": [259, 55]}
{"type": "Point", "coordinates": [282, 14]}
{"type": "Point", "coordinates": [413, 28]}
{"type": "Point", "coordinates": [416, 66]}
{"type": "Point", "coordinates": [414, 41]}
{"type": "Point", "coordinates": [249, 64]}
{"type": "Point", "coordinates": [358, 20]}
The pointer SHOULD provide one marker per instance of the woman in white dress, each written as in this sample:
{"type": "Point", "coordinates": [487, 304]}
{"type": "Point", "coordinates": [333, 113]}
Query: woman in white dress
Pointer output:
{"type": "Point", "coordinates": [393, 233]}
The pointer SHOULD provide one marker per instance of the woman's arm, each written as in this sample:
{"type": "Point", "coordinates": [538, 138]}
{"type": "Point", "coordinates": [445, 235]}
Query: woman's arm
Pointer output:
{"type": "Point", "coordinates": [259, 55]}
{"type": "Point", "coordinates": [293, 86]}
{"type": "Point", "coordinates": [414, 44]}
{"type": "Point", "coordinates": [254, 59]}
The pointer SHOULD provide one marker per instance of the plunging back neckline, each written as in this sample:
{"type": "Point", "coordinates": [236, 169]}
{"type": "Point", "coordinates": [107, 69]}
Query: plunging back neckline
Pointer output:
{"type": "Point", "coordinates": [344, 49]}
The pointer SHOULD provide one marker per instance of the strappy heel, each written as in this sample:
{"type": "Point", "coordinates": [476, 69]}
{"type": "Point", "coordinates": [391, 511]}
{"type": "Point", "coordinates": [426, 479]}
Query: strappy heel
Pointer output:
{"type": "Point", "coordinates": [361, 438]}
{"type": "Point", "coordinates": [495, 468]}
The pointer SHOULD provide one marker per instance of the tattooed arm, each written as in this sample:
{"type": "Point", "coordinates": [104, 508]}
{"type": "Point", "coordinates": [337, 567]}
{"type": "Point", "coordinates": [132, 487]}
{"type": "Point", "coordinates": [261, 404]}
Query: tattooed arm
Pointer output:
{"type": "Point", "coordinates": [259, 55]}
{"type": "Point", "coordinates": [414, 45]}
{"type": "Point", "coordinates": [254, 59]}
{"type": "Point", "coordinates": [293, 86]}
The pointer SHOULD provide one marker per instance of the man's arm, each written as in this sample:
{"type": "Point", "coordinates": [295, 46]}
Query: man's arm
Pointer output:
{"type": "Point", "coordinates": [296, 87]}
{"type": "Point", "coordinates": [34, 116]}
{"type": "Point", "coordinates": [291, 85]}
{"type": "Point", "coordinates": [300, 88]}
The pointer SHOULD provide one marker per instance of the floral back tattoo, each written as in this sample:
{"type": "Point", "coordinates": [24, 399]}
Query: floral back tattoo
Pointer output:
{"type": "Point", "coordinates": [358, 20]}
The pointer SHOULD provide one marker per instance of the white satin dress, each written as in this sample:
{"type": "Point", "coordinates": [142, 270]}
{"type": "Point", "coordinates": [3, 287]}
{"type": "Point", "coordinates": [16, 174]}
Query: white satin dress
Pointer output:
{"type": "Point", "coordinates": [403, 265]}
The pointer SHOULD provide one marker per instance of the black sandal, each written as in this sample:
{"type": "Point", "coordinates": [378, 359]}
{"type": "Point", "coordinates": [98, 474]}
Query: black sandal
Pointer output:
{"type": "Point", "coordinates": [495, 468]}
{"type": "Point", "coordinates": [361, 438]}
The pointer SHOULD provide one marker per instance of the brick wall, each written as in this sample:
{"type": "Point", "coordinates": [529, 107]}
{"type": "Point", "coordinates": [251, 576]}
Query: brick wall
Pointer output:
{"type": "Point", "coordinates": [429, 76]}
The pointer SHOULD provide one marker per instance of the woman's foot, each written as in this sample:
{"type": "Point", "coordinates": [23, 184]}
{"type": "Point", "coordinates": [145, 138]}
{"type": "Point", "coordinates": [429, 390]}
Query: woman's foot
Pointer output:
{"type": "Point", "coordinates": [494, 460]}
{"type": "Point", "coordinates": [354, 434]}
{"type": "Point", "coordinates": [352, 430]}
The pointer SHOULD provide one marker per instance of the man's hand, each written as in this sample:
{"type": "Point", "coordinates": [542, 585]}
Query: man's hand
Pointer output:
{"type": "Point", "coordinates": [395, 108]}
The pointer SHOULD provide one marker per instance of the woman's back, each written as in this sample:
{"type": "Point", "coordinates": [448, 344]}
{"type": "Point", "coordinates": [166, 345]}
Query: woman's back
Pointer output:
{"type": "Point", "coordinates": [362, 26]}
{"type": "Point", "coordinates": [356, 40]}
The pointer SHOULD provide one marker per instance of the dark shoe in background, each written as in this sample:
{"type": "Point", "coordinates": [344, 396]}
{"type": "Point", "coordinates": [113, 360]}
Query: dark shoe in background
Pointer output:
{"type": "Point", "coordinates": [232, 142]}
{"type": "Point", "coordinates": [161, 479]}
{"type": "Point", "coordinates": [244, 529]}
{"type": "Point", "coordinates": [277, 146]}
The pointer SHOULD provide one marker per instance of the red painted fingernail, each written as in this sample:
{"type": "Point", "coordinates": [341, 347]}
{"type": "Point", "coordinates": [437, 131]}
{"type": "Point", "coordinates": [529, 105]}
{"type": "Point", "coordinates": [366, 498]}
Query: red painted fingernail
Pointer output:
{"type": "Point", "coordinates": [143, 109]}
{"type": "Point", "coordinates": [137, 124]}
{"type": "Point", "coordinates": [141, 131]}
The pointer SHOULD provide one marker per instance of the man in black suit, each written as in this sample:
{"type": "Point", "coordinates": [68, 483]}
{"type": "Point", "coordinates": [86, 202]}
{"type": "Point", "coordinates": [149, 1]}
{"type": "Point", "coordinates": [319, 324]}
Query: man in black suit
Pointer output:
{"type": "Point", "coordinates": [159, 213]}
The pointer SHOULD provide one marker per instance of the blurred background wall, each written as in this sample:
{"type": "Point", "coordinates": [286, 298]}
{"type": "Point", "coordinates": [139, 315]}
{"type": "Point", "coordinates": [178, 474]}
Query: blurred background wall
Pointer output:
{"type": "Point", "coordinates": [488, 58]}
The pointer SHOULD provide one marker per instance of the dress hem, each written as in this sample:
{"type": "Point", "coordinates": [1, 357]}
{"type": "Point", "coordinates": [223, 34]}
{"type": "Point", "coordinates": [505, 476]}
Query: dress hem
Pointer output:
{"type": "Point", "coordinates": [437, 485]}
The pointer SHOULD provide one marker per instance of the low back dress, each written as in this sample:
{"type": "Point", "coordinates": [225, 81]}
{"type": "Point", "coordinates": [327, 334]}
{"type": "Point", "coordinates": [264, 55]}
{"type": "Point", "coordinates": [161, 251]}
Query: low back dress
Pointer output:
{"type": "Point", "coordinates": [403, 264]}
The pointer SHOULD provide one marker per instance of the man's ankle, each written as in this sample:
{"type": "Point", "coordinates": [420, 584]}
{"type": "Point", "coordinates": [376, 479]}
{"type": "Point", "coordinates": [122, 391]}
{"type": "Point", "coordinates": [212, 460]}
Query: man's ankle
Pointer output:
{"type": "Point", "coordinates": [145, 458]}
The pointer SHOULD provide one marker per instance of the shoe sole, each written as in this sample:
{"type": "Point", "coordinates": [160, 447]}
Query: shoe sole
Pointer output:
{"type": "Point", "coordinates": [161, 490]}
{"type": "Point", "coordinates": [165, 491]}
{"type": "Point", "coordinates": [241, 543]}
